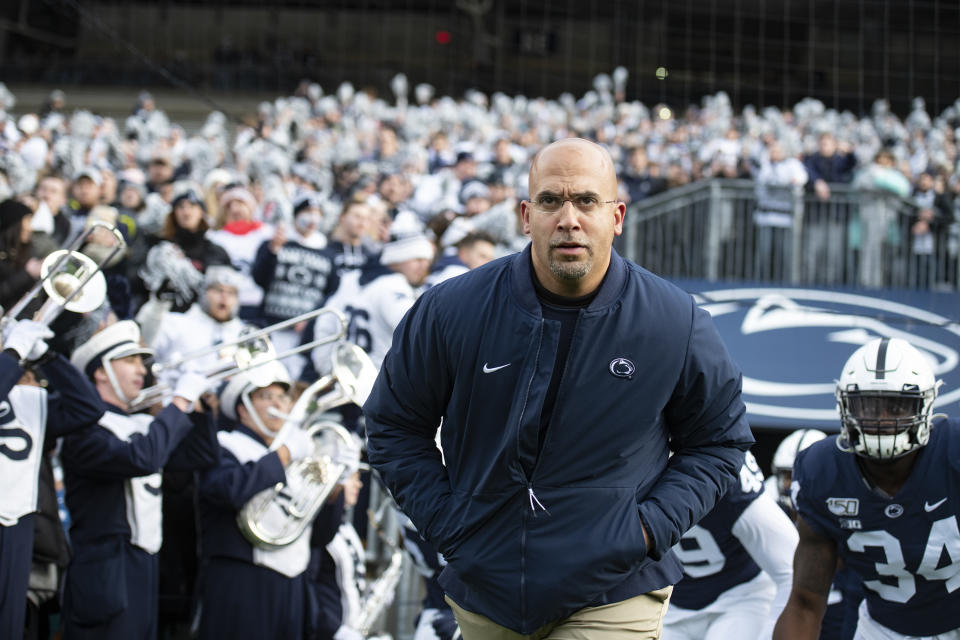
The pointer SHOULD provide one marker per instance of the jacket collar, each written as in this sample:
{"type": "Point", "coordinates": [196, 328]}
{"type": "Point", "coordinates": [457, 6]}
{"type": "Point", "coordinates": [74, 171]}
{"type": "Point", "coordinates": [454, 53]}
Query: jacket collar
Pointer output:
{"type": "Point", "coordinates": [522, 284]}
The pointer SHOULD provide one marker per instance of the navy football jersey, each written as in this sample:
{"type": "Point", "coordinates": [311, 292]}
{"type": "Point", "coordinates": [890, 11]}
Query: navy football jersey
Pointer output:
{"type": "Point", "coordinates": [906, 548]}
{"type": "Point", "coordinates": [712, 557]}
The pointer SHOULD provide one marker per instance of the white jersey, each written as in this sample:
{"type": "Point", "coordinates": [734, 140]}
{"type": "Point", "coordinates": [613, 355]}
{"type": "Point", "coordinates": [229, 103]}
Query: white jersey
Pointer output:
{"type": "Point", "coordinates": [243, 252]}
{"type": "Point", "coordinates": [142, 495]}
{"type": "Point", "coordinates": [291, 560]}
{"type": "Point", "coordinates": [183, 333]}
{"type": "Point", "coordinates": [372, 315]}
{"type": "Point", "coordinates": [23, 426]}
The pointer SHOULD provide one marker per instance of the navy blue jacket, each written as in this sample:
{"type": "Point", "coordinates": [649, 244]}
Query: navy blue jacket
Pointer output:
{"type": "Point", "coordinates": [646, 372]}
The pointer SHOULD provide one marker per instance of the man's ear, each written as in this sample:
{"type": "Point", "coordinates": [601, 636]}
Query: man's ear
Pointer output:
{"type": "Point", "coordinates": [100, 376]}
{"type": "Point", "coordinates": [619, 213]}
{"type": "Point", "coordinates": [525, 216]}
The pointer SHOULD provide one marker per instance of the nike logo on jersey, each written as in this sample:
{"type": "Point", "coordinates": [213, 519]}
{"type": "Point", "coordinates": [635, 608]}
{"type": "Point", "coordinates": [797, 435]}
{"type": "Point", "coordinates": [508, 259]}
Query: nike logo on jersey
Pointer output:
{"type": "Point", "coordinates": [488, 369]}
{"type": "Point", "coordinates": [152, 490]}
{"type": "Point", "coordinates": [932, 507]}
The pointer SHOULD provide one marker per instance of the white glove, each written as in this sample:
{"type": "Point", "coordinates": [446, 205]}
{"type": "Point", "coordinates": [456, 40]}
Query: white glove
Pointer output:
{"type": "Point", "coordinates": [26, 337]}
{"type": "Point", "coordinates": [347, 633]}
{"type": "Point", "coordinates": [299, 444]}
{"type": "Point", "coordinates": [349, 457]}
{"type": "Point", "coordinates": [191, 386]}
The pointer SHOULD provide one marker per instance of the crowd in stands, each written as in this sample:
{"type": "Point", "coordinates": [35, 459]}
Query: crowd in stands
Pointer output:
{"type": "Point", "coordinates": [448, 165]}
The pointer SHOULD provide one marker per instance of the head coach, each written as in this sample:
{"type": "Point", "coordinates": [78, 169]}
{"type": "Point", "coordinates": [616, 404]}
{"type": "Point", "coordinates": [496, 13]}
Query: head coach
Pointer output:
{"type": "Point", "coordinates": [564, 377]}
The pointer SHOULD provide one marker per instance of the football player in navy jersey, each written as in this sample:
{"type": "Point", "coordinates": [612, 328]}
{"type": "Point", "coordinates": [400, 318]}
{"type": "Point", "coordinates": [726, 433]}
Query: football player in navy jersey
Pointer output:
{"type": "Point", "coordinates": [884, 497]}
{"type": "Point", "coordinates": [28, 416]}
{"type": "Point", "coordinates": [112, 472]}
{"type": "Point", "coordinates": [736, 566]}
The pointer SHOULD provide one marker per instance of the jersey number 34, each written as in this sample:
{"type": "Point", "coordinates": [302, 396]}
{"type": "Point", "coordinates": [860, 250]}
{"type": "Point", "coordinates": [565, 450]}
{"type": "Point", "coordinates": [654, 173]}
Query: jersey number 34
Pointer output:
{"type": "Point", "coordinates": [944, 536]}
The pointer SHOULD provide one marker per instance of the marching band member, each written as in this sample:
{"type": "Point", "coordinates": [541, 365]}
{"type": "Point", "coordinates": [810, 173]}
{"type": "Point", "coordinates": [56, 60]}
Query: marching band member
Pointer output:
{"type": "Point", "coordinates": [28, 415]}
{"type": "Point", "coordinates": [338, 568]}
{"type": "Point", "coordinates": [112, 475]}
{"type": "Point", "coordinates": [210, 321]}
{"type": "Point", "coordinates": [248, 591]}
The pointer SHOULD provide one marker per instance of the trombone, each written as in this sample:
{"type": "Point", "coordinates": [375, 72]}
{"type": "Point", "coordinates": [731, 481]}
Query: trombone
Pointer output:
{"type": "Point", "coordinates": [249, 337]}
{"type": "Point", "coordinates": [72, 280]}
{"type": "Point", "coordinates": [250, 351]}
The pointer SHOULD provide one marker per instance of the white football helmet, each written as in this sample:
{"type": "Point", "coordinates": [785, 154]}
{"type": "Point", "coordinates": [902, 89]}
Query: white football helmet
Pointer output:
{"type": "Point", "coordinates": [784, 457]}
{"type": "Point", "coordinates": [885, 398]}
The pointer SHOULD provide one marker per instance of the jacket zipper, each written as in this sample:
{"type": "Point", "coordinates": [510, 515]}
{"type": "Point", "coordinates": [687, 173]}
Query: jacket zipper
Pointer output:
{"type": "Point", "coordinates": [523, 528]}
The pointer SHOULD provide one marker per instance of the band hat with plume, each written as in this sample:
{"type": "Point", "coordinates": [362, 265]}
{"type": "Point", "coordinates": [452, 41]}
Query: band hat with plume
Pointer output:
{"type": "Point", "coordinates": [405, 248]}
{"type": "Point", "coordinates": [119, 340]}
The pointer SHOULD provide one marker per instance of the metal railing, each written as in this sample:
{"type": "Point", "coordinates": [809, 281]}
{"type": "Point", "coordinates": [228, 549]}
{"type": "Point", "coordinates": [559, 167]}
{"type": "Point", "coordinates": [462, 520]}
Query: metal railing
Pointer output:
{"type": "Point", "coordinates": [737, 230]}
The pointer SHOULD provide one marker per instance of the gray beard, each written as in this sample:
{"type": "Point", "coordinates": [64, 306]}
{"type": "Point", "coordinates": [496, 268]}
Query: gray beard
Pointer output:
{"type": "Point", "coordinates": [570, 270]}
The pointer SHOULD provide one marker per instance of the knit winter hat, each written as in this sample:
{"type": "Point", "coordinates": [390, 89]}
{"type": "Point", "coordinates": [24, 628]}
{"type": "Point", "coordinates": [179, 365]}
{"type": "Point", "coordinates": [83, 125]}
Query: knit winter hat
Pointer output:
{"type": "Point", "coordinates": [12, 212]}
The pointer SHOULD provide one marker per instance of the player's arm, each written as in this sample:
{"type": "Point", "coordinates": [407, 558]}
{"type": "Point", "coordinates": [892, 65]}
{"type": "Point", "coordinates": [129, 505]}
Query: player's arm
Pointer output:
{"type": "Point", "coordinates": [770, 538]}
{"type": "Point", "coordinates": [813, 567]}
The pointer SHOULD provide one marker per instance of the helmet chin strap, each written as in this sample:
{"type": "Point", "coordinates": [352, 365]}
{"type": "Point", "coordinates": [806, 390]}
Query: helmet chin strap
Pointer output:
{"type": "Point", "coordinates": [114, 383]}
{"type": "Point", "coordinates": [255, 417]}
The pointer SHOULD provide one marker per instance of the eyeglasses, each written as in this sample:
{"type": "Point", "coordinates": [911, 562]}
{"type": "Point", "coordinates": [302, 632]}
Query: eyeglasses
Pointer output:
{"type": "Point", "coordinates": [583, 202]}
{"type": "Point", "coordinates": [270, 396]}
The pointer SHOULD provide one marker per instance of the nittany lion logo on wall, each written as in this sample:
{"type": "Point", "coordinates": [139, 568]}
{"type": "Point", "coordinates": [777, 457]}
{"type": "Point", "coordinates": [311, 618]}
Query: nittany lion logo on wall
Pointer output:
{"type": "Point", "coordinates": [792, 343]}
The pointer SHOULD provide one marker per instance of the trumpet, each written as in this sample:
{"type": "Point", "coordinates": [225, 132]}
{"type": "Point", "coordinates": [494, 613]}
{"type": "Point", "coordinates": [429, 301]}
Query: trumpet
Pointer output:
{"type": "Point", "coordinates": [277, 516]}
{"type": "Point", "coordinates": [250, 350]}
{"type": "Point", "coordinates": [71, 280]}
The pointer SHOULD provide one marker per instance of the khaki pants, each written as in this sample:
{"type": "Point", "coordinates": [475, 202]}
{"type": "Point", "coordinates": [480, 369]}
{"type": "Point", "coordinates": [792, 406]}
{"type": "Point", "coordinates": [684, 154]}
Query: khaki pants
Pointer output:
{"type": "Point", "coordinates": [638, 618]}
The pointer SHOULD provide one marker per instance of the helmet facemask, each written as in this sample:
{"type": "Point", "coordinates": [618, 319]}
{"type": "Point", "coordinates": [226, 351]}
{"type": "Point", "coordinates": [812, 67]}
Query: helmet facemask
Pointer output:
{"type": "Point", "coordinates": [884, 425]}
